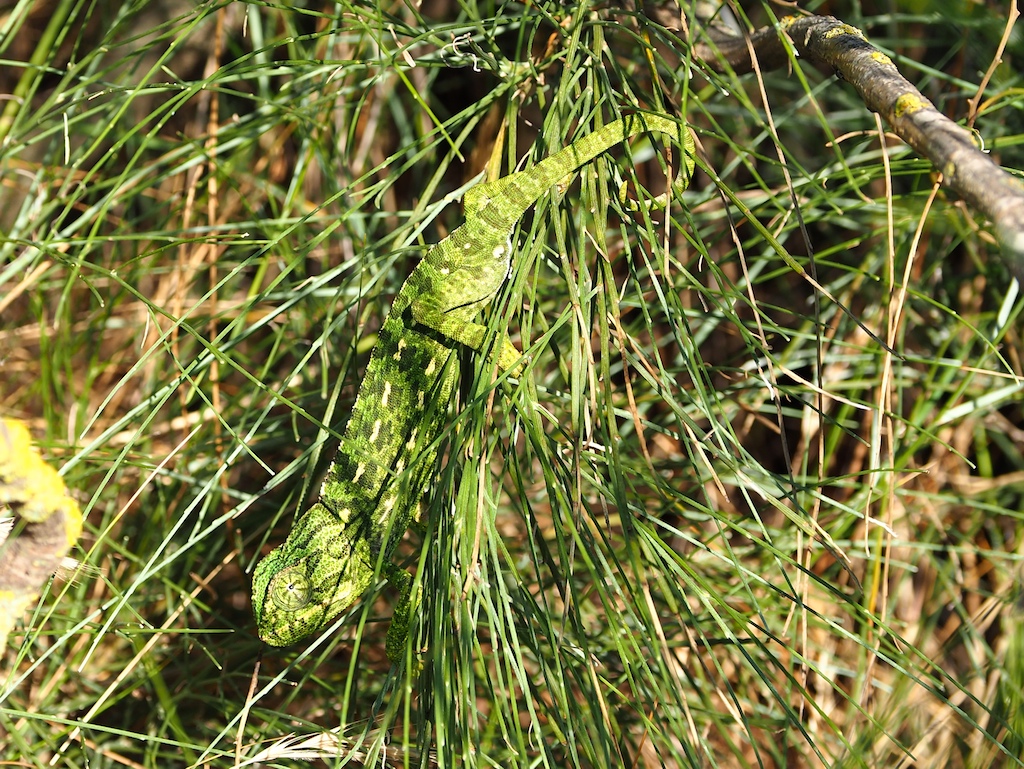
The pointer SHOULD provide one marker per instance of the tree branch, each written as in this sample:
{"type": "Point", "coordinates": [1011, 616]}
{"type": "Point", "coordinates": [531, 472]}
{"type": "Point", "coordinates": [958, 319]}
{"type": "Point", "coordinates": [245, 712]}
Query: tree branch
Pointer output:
{"type": "Point", "coordinates": [825, 40]}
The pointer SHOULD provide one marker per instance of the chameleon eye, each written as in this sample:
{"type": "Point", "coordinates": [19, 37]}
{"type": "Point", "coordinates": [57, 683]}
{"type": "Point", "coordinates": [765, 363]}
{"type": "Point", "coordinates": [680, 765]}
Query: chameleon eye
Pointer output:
{"type": "Point", "coordinates": [290, 593]}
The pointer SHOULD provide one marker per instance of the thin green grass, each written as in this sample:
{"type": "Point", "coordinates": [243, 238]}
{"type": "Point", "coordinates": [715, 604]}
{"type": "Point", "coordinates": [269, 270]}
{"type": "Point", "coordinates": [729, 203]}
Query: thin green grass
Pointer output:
{"type": "Point", "coordinates": [726, 520]}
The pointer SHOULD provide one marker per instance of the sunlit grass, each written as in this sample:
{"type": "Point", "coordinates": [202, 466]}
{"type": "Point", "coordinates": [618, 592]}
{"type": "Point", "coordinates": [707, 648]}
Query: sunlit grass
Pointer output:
{"type": "Point", "coordinates": [725, 520]}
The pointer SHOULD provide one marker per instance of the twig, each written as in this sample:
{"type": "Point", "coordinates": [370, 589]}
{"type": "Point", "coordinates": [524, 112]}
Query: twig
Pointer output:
{"type": "Point", "coordinates": [964, 167]}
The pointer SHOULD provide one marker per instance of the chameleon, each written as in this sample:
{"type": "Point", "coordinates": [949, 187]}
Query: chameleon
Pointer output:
{"type": "Point", "coordinates": [50, 522]}
{"type": "Point", "coordinates": [369, 497]}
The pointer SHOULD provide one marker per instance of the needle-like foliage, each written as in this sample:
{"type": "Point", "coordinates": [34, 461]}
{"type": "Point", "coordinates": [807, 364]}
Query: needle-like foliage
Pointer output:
{"type": "Point", "coordinates": [755, 503]}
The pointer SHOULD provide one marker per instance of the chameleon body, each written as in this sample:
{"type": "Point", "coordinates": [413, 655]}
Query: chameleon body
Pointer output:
{"type": "Point", "coordinates": [347, 537]}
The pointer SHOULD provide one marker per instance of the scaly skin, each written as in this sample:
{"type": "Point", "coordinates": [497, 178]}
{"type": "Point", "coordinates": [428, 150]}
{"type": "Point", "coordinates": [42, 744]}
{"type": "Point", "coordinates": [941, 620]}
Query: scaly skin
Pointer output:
{"type": "Point", "coordinates": [388, 451]}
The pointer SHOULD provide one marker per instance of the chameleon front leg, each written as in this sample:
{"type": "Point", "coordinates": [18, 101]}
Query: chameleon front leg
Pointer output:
{"type": "Point", "coordinates": [472, 335]}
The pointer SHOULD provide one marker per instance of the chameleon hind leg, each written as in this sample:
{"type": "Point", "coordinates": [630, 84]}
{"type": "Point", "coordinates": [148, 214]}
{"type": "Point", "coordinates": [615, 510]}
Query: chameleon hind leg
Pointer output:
{"type": "Point", "coordinates": [398, 632]}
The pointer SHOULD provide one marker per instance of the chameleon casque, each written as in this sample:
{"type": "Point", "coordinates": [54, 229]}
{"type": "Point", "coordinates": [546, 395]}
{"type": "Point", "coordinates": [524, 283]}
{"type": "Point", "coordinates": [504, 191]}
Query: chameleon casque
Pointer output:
{"type": "Point", "coordinates": [387, 454]}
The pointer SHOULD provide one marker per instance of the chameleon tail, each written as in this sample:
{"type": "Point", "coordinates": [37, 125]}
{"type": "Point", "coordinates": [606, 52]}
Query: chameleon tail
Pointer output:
{"type": "Point", "coordinates": [519, 191]}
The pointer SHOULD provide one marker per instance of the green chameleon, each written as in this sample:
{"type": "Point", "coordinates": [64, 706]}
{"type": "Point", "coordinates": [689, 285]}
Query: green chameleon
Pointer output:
{"type": "Point", "coordinates": [347, 537]}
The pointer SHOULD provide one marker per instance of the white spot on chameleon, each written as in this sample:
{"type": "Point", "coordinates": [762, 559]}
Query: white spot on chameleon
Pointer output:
{"type": "Point", "coordinates": [399, 466]}
{"type": "Point", "coordinates": [431, 367]}
{"type": "Point", "coordinates": [411, 443]}
{"type": "Point", "coordinates": [445, 271]}
{"type": "Point", "coordinates": [386, 395]}
{"type": "Point", "coordinates": [386, 508]}
{"type": "Point", "coordinates": [498, 252]}
{"type": "Point", "coordinates": [468, 246]}
{"type": "Point", "coordinates": [402, 344]}
{"type": "Point", "coordinates": [360, 469]}
{"type": "Point", "coordinates": [421, 400]}
{"type": "Point", "coordinates": [508, 246]}
{"type": "Point", "coordinates": [376, 432]}
{"type": "Point", "coordinates": [344, 515]}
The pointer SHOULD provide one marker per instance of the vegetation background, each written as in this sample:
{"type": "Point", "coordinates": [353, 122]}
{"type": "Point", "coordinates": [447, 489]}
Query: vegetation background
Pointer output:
{"type": "Point", "coordinates": [755, 525]}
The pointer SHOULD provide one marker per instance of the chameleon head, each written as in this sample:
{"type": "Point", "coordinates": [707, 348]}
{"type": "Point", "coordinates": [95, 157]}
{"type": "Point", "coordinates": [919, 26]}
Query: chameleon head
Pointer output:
{"type": "Point", "coordinates": [300, 587]}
